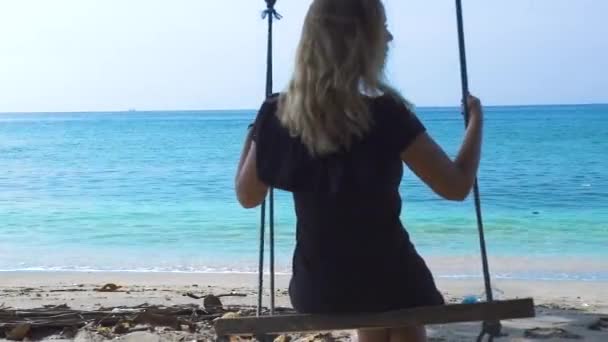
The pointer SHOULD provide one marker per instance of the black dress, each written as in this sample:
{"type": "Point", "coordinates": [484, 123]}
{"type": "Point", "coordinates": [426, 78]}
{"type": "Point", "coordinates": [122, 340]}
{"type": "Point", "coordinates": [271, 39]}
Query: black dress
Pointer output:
{"type": "Point", "coordinates": [352, 252]}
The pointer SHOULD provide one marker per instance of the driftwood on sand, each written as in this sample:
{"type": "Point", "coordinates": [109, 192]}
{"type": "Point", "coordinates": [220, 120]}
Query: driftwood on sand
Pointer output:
{"type": "Point", "coordinates": [109, 322]}
{"type": "Point", "coordinates": [16, 324]}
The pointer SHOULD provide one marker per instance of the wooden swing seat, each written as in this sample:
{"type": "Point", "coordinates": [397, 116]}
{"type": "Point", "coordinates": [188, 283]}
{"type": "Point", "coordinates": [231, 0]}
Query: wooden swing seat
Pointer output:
{"type": "Point", "coordinates": [452, 313]}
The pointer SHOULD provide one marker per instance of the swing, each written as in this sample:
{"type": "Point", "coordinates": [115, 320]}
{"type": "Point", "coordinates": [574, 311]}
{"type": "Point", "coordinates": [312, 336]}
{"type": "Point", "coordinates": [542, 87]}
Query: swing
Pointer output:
{"type": "Point", "coordinates": [489, 312]}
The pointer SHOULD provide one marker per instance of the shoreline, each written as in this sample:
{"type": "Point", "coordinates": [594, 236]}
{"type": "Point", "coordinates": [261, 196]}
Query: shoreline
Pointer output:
{"type": "Point", "coordinates": [470, 278]}
{"type": "Point", "coordinates": [457, 267]}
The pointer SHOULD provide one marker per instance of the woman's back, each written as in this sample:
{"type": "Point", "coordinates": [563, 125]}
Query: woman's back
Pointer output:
{"type": "Point", "coordinates": [372, 164]}
{"type": "Point", "coordinates": [348, 210]}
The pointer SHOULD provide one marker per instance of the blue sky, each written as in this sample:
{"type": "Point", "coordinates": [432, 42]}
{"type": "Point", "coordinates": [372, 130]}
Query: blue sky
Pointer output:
{"type": "Point", "coordinates": [79, 55]}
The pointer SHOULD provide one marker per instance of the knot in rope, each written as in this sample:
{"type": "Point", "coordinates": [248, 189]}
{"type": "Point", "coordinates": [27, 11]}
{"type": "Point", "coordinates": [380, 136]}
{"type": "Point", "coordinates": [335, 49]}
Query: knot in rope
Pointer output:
{"type": "Point", "coordinates": [271, 11]}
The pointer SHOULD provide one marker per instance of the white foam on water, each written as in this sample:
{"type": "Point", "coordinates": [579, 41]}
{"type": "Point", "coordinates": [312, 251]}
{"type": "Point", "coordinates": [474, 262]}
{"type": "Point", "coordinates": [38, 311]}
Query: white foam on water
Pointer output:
{"type": "Point", "coordinates": [524, 275]}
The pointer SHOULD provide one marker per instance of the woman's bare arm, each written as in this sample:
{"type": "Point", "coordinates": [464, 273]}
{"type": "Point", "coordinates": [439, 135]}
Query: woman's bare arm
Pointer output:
{"type": "Point", "coordinates": [250, 190]}
{"type": "Point", "coordinates": [451, 180]}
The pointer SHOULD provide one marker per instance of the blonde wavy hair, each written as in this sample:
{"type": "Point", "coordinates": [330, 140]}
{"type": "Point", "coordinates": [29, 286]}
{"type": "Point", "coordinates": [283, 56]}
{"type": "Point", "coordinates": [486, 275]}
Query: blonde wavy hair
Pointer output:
{"type": "Point", "coordinates": [340, 57]}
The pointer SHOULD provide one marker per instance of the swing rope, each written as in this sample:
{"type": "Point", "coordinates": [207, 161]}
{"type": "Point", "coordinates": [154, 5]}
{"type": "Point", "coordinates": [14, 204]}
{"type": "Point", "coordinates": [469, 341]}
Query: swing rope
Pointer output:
{"type": "Point", "coordinates": [492, 329]}
{"type": "Point", "coordinates": [269, 14]}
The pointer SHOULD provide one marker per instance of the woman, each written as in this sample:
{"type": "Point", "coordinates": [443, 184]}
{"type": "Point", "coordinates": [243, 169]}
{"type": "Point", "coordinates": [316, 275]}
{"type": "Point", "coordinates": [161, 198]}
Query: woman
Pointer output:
{"type": "Point", "coordinates": [337, 139]}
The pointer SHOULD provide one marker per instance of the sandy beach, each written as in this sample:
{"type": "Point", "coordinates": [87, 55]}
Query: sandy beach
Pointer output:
{"type": "Point", "coordinates": [565, 309]}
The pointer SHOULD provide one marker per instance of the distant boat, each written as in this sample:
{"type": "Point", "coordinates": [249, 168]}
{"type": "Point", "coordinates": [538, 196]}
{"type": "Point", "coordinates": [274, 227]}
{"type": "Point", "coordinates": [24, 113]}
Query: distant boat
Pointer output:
{"type": "Point", "coordinates": [132, 110]}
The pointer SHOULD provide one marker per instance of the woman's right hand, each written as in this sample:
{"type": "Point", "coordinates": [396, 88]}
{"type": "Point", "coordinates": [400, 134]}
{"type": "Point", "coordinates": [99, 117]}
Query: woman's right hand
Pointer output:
{"type": "Point", "coordinates": [474, 105]}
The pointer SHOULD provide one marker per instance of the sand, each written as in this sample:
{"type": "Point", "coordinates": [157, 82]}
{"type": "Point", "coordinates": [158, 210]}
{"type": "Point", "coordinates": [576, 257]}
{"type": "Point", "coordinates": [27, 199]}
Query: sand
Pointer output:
{"type": "Point", "coordinates": [563, 306]}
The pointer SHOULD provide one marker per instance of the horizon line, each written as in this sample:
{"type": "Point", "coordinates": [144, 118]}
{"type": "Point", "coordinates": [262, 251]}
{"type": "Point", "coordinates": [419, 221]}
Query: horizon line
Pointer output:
{"type": "Point", "coordinates": [134, 110]}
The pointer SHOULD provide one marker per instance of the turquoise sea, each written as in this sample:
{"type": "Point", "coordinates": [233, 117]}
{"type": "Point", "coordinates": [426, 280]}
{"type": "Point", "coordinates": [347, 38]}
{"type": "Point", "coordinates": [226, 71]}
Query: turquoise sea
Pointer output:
{"type": "Point", "coordinates": [153, 191]}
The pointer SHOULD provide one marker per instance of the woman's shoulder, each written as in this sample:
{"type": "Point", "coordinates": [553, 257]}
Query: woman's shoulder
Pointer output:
{"type": "Point", "coordinates": [396, 122]}
{"type": "Point", "coordinates": [269, 106]}
{"type": "Point", "coordinates": [390, 109]}
{"type": "Point", "coordinates": [273, 99]}
{"type": "Point", "coordinates": [393, 103]}
{"type": "Point", "coordinates": [266, 121]}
